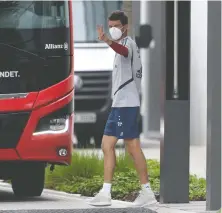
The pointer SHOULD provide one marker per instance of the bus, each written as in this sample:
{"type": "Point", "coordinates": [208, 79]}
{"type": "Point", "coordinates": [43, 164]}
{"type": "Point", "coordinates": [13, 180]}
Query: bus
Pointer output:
{"type": "Point", "coordinates": [36, 91]}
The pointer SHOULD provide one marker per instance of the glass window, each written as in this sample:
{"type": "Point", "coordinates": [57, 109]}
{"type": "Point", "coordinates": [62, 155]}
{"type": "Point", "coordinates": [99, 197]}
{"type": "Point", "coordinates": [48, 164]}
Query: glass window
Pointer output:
{"type": "Point", "coordinates": [33, 14]}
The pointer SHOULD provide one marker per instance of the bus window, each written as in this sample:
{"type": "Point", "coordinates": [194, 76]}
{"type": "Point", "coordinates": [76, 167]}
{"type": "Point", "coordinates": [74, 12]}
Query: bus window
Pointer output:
{"type": "Point", "coordinates": [33, 14]}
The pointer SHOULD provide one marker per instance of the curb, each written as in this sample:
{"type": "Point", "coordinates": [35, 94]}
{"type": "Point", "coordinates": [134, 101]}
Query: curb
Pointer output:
{"type": "Point", "coordinates": [107, 210]}
{"type": "Point", "coordinates": [46, 191]}
{"type": "Point", "coordinates": [50, 191]}
{"type": "Point", "coordinates": [65, 194]}
{"type": "Point", "coordinates": [168, 210]}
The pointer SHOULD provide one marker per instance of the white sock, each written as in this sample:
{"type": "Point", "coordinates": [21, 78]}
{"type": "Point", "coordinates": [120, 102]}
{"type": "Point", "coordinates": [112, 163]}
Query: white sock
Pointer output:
{"type": "Point", "coordinates": [146, 186]}
{"type": "Point", "coordinates": [106, 187]}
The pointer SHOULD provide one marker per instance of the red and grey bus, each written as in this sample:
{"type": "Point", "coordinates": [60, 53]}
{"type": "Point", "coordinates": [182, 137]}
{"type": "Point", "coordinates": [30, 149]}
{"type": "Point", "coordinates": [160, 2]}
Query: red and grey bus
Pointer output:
{"type": "Point", "coordinates": [36, 91]}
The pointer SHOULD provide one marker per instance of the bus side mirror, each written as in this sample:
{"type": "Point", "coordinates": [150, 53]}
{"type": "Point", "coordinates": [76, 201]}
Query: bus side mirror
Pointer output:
{"type": "Point", "coordinates": [145, 36]}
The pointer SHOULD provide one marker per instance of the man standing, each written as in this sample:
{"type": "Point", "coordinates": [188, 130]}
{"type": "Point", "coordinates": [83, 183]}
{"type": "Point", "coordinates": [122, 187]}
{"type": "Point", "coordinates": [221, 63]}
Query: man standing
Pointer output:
{"type": "Point", "coordinates": [123, 119]}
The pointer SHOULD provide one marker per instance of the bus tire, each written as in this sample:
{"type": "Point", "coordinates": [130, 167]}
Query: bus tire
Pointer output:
{"type": "Point", "coordinates": [29, 181]}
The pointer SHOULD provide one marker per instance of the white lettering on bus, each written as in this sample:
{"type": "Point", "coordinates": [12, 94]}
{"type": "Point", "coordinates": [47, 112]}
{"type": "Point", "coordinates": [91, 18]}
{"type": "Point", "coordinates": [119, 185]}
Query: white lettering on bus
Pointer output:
{"type": "Point", "coordinates": [56, 46]}
{"type": "Point", "coordinates": [9, 74]}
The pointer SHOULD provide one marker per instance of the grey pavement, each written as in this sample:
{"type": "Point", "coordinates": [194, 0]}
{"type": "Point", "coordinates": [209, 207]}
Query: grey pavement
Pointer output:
{"type": "Point", "coordinates": [192, 207]}
{"type": "Point", "coordinates": [61, 202]}
{"type": "Point", "coordinates": [52, 201]}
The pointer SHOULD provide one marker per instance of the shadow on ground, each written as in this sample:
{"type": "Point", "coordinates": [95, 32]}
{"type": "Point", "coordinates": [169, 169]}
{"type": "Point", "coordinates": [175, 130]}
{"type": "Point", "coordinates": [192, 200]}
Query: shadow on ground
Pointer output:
{"type": "Point", "coordinates": [9, 197]}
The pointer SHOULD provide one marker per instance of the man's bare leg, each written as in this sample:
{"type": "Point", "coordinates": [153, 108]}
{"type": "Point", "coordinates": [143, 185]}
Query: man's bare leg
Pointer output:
{"type": "Point", "coordinates": [134, 149]}
{"type": "Point", "coordinates": [146, 197]}
{"type": "Point", "coordinates": [108, 147]}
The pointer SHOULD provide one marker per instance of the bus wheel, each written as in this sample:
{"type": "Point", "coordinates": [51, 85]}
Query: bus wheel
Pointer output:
{"type": "Point", "coordinates": [29, 180]}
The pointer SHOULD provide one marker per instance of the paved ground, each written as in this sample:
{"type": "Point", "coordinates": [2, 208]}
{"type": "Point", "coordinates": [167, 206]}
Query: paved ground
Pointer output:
{"type": "Point", "coordinates": [52, 201]}
{"type": "Point", "coordinates": [59, 202]}
{"type": "Point", "coordinates": [197, 207]}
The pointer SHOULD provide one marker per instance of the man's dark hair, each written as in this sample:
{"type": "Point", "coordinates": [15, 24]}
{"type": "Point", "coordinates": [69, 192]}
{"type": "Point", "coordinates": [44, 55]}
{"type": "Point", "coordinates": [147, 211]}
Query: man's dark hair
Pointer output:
{"type": "Point", "coordinates": [119, 15]}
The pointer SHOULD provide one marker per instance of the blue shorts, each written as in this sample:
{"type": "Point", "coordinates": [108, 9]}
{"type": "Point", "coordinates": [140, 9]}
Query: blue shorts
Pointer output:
{"type": "Point", "coordinates": [123, 123]}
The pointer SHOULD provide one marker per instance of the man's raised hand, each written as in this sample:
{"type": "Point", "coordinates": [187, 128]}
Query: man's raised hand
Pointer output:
{"type": "Point", "coordinates": [101, 35]}
{"type": "Point", "coordinates": [100, 32]}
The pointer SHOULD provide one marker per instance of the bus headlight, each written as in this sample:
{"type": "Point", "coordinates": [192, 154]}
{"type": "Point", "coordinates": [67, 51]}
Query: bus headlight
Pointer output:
{"type": "Point", "coordinates": [52, 125]}
{"type": "Point", "coordinates": [57, 124]}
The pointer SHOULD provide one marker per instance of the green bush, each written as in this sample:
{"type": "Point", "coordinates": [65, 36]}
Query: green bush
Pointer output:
{"type": "Point", "coordinates": [85, 177]}
{"type": "Point", "coordinates": [197, 188]}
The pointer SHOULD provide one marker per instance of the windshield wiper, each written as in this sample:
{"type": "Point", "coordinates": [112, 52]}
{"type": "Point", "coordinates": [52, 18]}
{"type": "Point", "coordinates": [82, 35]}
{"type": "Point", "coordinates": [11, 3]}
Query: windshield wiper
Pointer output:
{"type": "Point", "coordinates": [22, 50]}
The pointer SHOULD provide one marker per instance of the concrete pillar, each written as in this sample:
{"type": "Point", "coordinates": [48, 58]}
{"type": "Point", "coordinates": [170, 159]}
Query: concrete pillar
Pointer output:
{"type": "Point", "coordinates": [214, 106]}
{"type": "Point", "coordinates": [152, 63]}
{"type": "Point", "coordinates": [198, 73]}
{"type": "Point", "coordinates": [175, 146]}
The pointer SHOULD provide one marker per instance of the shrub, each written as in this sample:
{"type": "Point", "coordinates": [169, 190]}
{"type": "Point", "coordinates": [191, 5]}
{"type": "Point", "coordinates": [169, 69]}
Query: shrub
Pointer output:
{"type": "Point", "coordinates": [85, 177]}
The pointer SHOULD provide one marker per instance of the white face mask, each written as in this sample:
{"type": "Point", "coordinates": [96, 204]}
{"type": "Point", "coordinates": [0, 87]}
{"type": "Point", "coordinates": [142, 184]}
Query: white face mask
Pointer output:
{"type": "Point", "coordinates": [115, 33]}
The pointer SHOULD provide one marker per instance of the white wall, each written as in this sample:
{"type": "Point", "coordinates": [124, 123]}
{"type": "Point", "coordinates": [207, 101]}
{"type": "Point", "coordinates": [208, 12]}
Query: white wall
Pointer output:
{"type": "Point", "coordinates": [198, 73]}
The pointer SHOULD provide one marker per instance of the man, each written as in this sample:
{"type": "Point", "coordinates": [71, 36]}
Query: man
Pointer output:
{"type": "Point", "coordinates": [123, 119]}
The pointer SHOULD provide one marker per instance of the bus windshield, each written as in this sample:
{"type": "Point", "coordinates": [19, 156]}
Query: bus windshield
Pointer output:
{"type": "Point", "coordinates": [35, 43]}
{"type": "Point", "coordinates": [31, 15]}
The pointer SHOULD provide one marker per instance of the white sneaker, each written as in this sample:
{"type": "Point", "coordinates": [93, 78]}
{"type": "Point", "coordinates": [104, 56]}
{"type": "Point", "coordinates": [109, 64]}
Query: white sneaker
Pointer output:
{"type": "Point", "coordinates": [146, 197]}
{"type": "Point", "coordinates": [101, 199]}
